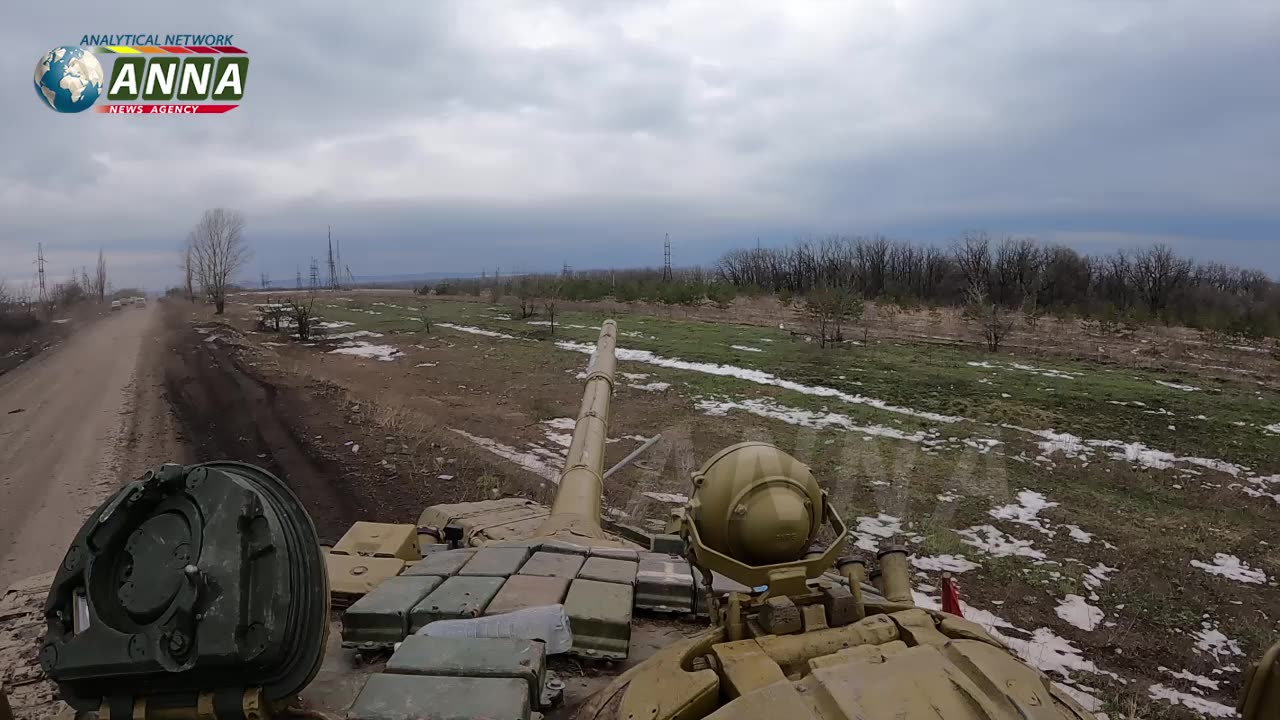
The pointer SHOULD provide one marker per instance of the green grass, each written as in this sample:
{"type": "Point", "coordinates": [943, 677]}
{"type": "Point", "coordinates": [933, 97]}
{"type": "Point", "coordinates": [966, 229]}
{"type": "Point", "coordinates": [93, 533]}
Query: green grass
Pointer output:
{"type": "Point", "coordinates": [921, 377]}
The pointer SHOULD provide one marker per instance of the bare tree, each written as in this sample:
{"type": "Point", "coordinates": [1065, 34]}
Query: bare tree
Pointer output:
{"type": "Point", "coordinates": [551, 293]}
{"type": "Point", "coordinates": [994, 321]}
{"type": "Point", "coordinates": [303, 316]}
{"type": "Point", "coordinates": [188, 269]}
{"type": "Point", "coordinates": [831, 308]}
{"type": "Point", "coordinates": [100, 278]}
{"type": "Point", "coordinates": [219, 251]}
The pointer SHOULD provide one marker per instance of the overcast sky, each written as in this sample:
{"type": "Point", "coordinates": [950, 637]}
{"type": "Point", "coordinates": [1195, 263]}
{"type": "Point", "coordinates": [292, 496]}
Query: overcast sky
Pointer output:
{"type": "Point", "coordinates": [455, 136]}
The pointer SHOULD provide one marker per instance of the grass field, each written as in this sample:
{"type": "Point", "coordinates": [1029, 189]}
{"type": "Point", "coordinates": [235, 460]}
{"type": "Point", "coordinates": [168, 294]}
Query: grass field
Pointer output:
{"type": "Point", "coordinates": [1113, 525]}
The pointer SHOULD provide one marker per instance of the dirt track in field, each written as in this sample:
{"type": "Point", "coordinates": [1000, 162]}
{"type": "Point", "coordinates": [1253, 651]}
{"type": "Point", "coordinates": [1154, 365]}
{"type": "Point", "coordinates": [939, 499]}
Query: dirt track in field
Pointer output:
{"type": "Point", "coordinates": [74, 422]}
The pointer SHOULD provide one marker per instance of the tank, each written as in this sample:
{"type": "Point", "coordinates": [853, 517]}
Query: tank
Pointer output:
{"type": "Point", "coordinates": [202, 592]}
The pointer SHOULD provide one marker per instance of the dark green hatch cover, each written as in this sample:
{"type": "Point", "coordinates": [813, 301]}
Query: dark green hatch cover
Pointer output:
{"type": "Point", "coordinates": [189, 580]}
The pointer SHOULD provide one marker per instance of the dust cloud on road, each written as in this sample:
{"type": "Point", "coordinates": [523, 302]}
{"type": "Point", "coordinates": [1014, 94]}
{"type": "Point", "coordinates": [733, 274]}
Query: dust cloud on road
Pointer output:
{"type": "Point", "coordinates": [74, 422]}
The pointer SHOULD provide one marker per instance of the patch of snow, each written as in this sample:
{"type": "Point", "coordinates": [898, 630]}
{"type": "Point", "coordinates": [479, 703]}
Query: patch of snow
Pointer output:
{"type": "Point", "coordinates": [984, 445]}
{"type": "Point", "coordinates": [872, 530]}
{"type": "Point", "coordinates": [1097, 575]}
{"type": "Point", "coordinates": [994, 542]}
{"type": "Point", "coordinates": [1193, 702]}
{"type": "Point", "coordinates": [1211, 640]}
{"type": "Point", "coordinates": [673, 498]}
{"type": "Point", "coordinates": [746, 348]}
{"type": "Point", "coordinates": [1200, 680]}
{"type": "Point", "coordinates": [1272, 428]}
{"type": "Point", "coordinates": [212, 338]}
{"type": "Point", "coordinates": [536, 463]}
{"type": "Point", "coordinates": [761, 378]}
{"type": "Point", "coordinates": [63, 320]}
{"type": "Point", "coordinates": [385, 353]}
{"type": "Point", "coordinates": [653, 386]}
{"type": "Point", "coordinates": [635, 377]}
{"type": "Point", "coordinates": [355, 449]}
{"type": "Point", "coordinates": [1178, 386]}
{"type": "Point", "coordinates": [334, 325]}
{"type": "Point", "coordinates": [478, 331]}
{"type": "Point", "coordinates": [426, 364]}
{"type": "Point", "coordinates": [766, 408]}
{"type": "Point", "coordinates": [353, 335]}
{"type": "Point", "coordinates": [1026, 511]}
{"type": "Point", "coordinates": [944, 563]}
{"type": "Point", "coordinates": [1232, 567]}
{"type": "Point", "coordinates": [1079, 535]}
{"type": "Point", "coordinates": [1075, 610]}
{"type": "Point", "coordinates": [948, 497]}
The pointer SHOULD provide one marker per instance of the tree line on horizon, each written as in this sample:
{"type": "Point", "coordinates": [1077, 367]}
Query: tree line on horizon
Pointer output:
{"type": "Point", "coordinates": [1007, 276]}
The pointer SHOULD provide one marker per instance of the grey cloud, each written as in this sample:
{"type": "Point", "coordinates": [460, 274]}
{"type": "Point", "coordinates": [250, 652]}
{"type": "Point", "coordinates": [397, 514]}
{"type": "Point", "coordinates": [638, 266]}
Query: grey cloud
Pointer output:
{"type": "Point", "coordinates": [450, 133]}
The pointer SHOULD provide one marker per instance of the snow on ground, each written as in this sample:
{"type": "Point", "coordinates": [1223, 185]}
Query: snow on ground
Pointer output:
{"type": "Point", "coordinates": [1026, 511]}
{"type": "Point", "coordinates": [560, 430]}
{"type": "Point", "coordinates": [1200, 680]}
{"type": "Point", "coordinates": [1079, 535]}
{"type": "Point", "coordinates": [806, 418]}
{"type": "Point", "coordinates": [1097, 575]}
{"type": "Point", "coordinates": [635, 377]}
{"type": "Point", "coordinates": [1232, 567]}
{"type": "Point", "coordinates": [1194, 703]}
{"type": "Point", "coordinates": [426, 364]}
{"type": "Point", "coordinates": [948, 497]}
{"type": "Point", "coordinates": [871, 531]}
{"type": "Point", "coordinates": [63, 320]}
{"type": "Point", "coordinates": [1211, 641]}
{"type": "Point", "coordinates": [1272, 428]}
{"type": "Point", "coordinates": [1178, 386]}
{"type": "Point", "coordinates": [353, 335]}
{"type": "Point", "coordinates": [368, 350]}
{"type": "Point", "coordinates": [333, 325]}
{"type": "Point", "coordinates": [746, 348]}
{"type": "Point", "coordinates": [944, 563]}
{"type": "Point", "coordinates": [1077, 611]}
{"type": "Point", "coordinates": [478, 331]}
{"type": "Point", "coordinates": [993, 541]}
{"type": "Point", "coordinates": [653, 386]}
{"type": "Point", "coordinates": [759, 377]}
{"type": "Point", "coordinates": [534, 462]}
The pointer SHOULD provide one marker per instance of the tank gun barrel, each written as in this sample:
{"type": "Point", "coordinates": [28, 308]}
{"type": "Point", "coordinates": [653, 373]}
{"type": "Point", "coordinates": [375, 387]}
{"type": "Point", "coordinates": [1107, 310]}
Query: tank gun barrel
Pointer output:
{"type": "Point", "coordinates": [576, 509]}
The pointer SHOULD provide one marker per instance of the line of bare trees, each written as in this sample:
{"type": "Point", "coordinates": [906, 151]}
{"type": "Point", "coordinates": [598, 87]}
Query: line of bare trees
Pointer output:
{"type": "Point", "coordinates": [214, 252]}
{"type": "Point", "coordinates": [1146, 284]}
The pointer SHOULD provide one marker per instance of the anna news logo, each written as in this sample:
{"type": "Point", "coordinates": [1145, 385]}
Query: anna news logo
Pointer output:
{"type": "Point", "coordinates": [203, 74]}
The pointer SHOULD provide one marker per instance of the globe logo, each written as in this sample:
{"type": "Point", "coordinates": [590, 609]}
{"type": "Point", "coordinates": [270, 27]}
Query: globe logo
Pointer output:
{"type": "Point", "coordinates": [68, 79]}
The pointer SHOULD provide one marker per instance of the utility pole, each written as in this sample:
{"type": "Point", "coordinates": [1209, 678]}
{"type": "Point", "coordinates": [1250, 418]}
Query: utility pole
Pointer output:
{"type": "Point", "coordinates": [333, 268]}
{"type": "Point", "coordinates": [44, 294]}
{"type": "Point", "coordinates": [666, 259]}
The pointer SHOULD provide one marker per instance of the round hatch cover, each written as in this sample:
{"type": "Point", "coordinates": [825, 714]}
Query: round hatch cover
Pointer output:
{"type": "Point", "coordinates": [190, 580]}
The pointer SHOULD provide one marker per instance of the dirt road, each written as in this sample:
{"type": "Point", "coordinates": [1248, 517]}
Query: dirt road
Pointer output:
{"type": "Point", "coordinates": [73, 423]}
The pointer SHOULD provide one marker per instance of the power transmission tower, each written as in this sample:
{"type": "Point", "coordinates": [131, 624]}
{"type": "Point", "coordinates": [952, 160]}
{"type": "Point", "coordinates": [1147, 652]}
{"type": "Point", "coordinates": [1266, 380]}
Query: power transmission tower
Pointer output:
{"type": "Point", "coordinates": [333, 268]}
{"type": "Point", "coordinates": [351, 279]}
{"type": "Point", "coordinates": [266, 281]}
{"type": "Point", "coordinates": [44, 294]}
{"type": "Point", "coordinates": [566, 270]}
{"type": "Point", "coordinates": [315, 274]}
{"type": "Point", "coordinates": [666, 258]}
{"type": "Point", "coordinates": [299, 277]}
